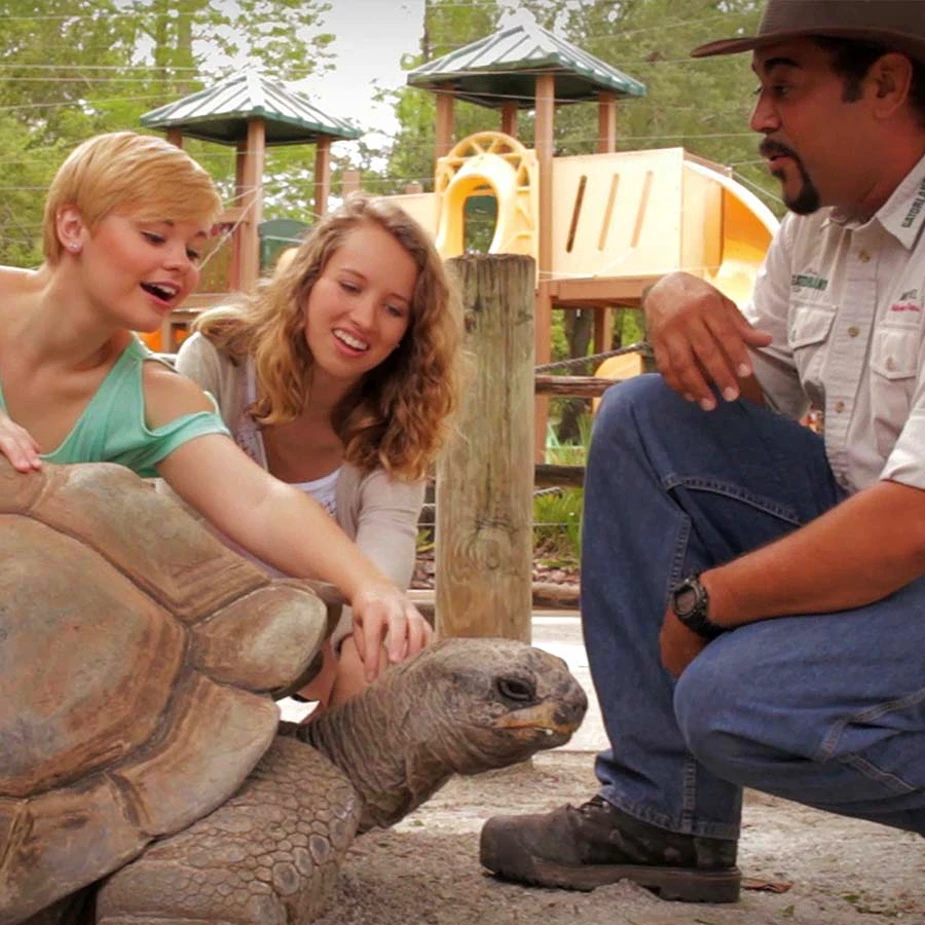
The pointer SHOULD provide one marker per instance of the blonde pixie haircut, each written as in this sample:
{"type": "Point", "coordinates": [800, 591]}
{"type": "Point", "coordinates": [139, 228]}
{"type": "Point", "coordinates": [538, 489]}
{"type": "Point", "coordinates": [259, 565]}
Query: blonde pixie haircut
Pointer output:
{"type": "Point", "coordinates": [398, 414]}
{"type": "Point", "coordinates": [124, 170]}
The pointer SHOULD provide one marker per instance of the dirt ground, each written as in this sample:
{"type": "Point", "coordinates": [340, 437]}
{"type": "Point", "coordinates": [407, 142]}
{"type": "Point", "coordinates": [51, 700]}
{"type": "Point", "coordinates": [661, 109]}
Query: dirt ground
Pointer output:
{"type": "Point", "coordinates": [831, 871]}
{"type": "Point", "coordinates": [425, 871]}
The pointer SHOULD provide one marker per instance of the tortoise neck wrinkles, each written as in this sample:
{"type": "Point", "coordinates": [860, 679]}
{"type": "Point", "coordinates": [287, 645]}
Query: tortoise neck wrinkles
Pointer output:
{"type": "Point", "coordinates": [377, 741]}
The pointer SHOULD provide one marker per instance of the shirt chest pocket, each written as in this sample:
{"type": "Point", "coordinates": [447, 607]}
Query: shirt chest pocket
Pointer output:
{"type": "Point", "coordinates": [810, 327]}
{"type": "Point", "coordinates": [894, 366]}
{"type": "Point", "coordinates": [810, 324]}
{"type": "Point", "coordinates": [894, 352]}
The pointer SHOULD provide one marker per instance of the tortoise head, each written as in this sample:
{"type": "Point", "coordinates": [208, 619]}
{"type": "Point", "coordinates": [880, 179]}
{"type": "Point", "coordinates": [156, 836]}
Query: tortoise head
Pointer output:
{"type": "Point", "coordinates": [460, 707]}
{"type": "Point", "coordinates": [495, 702]}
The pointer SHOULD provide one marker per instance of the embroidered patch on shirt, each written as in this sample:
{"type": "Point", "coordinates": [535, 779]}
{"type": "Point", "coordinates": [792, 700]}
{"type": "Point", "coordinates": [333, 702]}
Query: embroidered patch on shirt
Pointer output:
{"type": "Point", "coordinates": [907, 302]}
{"type": "Point", "coordinates": [917, 205]}
{"type": "Point", "coordinates": [808, 281]}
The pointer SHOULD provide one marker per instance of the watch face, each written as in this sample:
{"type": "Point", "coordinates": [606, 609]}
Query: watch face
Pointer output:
{"type": "Point", "coordinates": [685, 600]}
{"type": "Point", "coordinates": [691, 604]}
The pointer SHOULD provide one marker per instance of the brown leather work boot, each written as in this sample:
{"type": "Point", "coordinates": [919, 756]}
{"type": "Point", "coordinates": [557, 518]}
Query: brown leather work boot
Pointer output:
{"type": "Point", "coordinates": [596, 844]}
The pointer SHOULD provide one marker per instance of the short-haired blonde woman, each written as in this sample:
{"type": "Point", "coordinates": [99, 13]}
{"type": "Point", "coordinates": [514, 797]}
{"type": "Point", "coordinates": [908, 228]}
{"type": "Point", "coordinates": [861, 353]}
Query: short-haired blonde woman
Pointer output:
{"type": "Point", "coordinates": [126, 219]}
{"type": "Point", "coordinates": [339, 376]}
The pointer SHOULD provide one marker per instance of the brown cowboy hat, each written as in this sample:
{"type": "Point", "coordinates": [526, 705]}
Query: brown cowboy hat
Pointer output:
{"type": "Point", "coordinates": [897, 24]}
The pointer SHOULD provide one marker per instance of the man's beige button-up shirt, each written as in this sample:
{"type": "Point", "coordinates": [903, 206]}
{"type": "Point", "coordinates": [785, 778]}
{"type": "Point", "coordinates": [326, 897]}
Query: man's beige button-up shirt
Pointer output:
{"type": "Point", "coordinates": [845, 305]}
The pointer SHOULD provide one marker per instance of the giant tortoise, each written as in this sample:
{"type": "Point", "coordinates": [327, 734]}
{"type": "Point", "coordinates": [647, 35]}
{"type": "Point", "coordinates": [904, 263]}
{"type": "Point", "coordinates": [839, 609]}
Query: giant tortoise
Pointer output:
{"type": "Point", "coordinates": [145, 776]}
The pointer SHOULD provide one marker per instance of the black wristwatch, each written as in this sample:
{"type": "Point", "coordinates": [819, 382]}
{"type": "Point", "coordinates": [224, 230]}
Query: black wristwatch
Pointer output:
{"type": "Point", "coordinates": [691, 604]}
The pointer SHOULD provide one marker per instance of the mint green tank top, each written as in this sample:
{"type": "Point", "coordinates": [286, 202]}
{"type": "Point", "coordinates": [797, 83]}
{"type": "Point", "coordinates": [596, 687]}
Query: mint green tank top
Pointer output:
{"type": "Point", "coordinates": [112, 427]}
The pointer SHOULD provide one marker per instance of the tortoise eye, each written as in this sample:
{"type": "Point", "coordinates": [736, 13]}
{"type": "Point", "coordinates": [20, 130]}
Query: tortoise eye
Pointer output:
{"type": "Point", "coordinates": [516, 689]}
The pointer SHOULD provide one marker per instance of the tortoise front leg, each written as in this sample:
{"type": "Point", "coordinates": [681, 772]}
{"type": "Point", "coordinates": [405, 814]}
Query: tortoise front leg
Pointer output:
{"type": "Point", "coordinates": [268, 856]}
{"type": "Point", "coordinates": [76, 909]}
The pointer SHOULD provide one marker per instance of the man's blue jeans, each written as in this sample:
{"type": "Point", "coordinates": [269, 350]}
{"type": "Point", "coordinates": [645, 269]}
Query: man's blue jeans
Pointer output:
{"type": "Point", "coordinates": [828, 710]}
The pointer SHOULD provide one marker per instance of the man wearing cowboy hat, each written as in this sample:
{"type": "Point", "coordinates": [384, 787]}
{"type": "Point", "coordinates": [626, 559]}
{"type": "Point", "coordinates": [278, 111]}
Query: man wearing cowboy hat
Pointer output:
{"type": "Point", "coordinates": [753, 594]}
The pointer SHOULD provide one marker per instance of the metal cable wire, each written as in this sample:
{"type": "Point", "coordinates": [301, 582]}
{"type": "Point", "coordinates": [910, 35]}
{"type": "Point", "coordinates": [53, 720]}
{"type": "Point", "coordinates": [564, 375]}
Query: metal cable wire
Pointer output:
{"type": "Point", "coordinates": [537, 493]}
{"type": "Point", "coordinates": [642, 347]}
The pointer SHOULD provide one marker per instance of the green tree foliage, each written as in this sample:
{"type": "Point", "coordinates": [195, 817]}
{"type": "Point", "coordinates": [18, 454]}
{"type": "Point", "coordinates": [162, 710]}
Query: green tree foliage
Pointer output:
{"type": "Point", "coordinates": [72, 68]}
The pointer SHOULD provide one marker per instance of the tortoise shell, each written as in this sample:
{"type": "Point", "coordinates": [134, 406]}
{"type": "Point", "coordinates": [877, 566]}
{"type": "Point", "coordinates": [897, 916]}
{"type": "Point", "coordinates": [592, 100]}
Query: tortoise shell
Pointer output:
{"type": "Point", "coordinates": [137, 660]}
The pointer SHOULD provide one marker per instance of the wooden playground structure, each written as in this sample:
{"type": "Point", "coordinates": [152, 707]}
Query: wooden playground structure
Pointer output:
{"type": "Point", "coordinates": [601, 227]}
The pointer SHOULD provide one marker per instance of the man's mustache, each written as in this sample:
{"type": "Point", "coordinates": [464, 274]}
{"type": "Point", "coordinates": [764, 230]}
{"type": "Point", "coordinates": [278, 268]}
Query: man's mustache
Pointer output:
{"type": "Point", "coordinates": [769, 148]}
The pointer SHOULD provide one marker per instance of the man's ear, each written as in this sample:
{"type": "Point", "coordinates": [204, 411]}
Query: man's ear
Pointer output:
{"type": "Point", "coordinates": [890, 81]}
{"type": "Point", "coordinates": [71, 229]}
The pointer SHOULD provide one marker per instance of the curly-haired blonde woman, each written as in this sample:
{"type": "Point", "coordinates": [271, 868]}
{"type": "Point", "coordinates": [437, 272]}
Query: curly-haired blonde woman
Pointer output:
{"type": "Point", "coordinates": [339, 376]}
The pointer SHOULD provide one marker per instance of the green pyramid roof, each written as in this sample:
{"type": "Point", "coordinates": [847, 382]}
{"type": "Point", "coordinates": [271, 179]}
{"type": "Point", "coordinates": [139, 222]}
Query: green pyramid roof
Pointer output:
{"type": "Point", "coordinates": [502, 68]}
{"type": "Point", "coordinates": [220, 113]}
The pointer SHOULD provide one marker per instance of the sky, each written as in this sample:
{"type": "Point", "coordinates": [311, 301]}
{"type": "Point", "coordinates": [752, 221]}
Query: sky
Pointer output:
{"type": "Point", "coordinates": [372, 36]}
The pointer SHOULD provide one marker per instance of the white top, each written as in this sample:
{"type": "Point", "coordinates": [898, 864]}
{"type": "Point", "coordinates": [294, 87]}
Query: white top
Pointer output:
{"type": "Point", "coordinates": [323, 490]}
{"type": "Point", "coordinates": [844, 302]}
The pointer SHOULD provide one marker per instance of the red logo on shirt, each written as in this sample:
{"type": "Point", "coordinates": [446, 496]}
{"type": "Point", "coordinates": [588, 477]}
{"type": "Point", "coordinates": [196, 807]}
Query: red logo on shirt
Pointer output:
{"type": "Point", "coordinates": [905, 307]}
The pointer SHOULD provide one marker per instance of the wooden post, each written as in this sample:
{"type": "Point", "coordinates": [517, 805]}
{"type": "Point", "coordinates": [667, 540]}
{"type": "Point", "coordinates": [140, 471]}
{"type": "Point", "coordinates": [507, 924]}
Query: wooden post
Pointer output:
{"type": "Point", "coordinates": [251, 186]}
{"type": "Point", "coordinates": [606, 123]}
{"type": "Point", "coordinates": [443, 141]}
{"type": "Point", "coordinates": [509, 119]}
{"type": "Point", "coordinates": [543, 144]}
{"type": "Point", "coordinates": [603, 328]}
{"type": "Point", "coordinates": [175, 136]}
{"type": "Point", "coordinates": [322, 175]}
{"type": "Point", "coordinates": [239, 203]}
{"type": "Point", "coordinates": [349, 182]}
{"type": "Point", "coordinates": [484, 556]}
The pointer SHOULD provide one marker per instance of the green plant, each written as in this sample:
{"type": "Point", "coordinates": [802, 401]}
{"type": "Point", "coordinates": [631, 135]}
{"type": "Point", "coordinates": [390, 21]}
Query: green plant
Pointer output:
{"type": "Point", "coordinates": [557, 525]}
{"type": "Point", "coordinates": [631, 326]}
{"type": "Point", "coordinates": [557, 515]}
{"type": "Point", "coordinates": [569, 454]}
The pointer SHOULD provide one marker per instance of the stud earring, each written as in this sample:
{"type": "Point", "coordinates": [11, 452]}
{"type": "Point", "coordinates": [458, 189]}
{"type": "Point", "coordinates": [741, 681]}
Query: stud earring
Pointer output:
{"type": "Point", "coordinates": [74, 246]}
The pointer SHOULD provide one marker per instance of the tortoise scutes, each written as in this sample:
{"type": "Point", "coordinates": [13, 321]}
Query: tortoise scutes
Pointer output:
{"type": "Point", "coordinates": [144, 774]}
{"type": "Point", "coordinates": [120, 517]}
{"type": "Point", "coordinates": [114, 674]}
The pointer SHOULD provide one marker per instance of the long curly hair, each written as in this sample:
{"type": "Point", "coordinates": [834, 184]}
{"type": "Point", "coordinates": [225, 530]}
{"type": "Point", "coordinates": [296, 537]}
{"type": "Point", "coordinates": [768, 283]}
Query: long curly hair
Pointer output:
{"type": "Point", "coordinates": [397, 416]}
